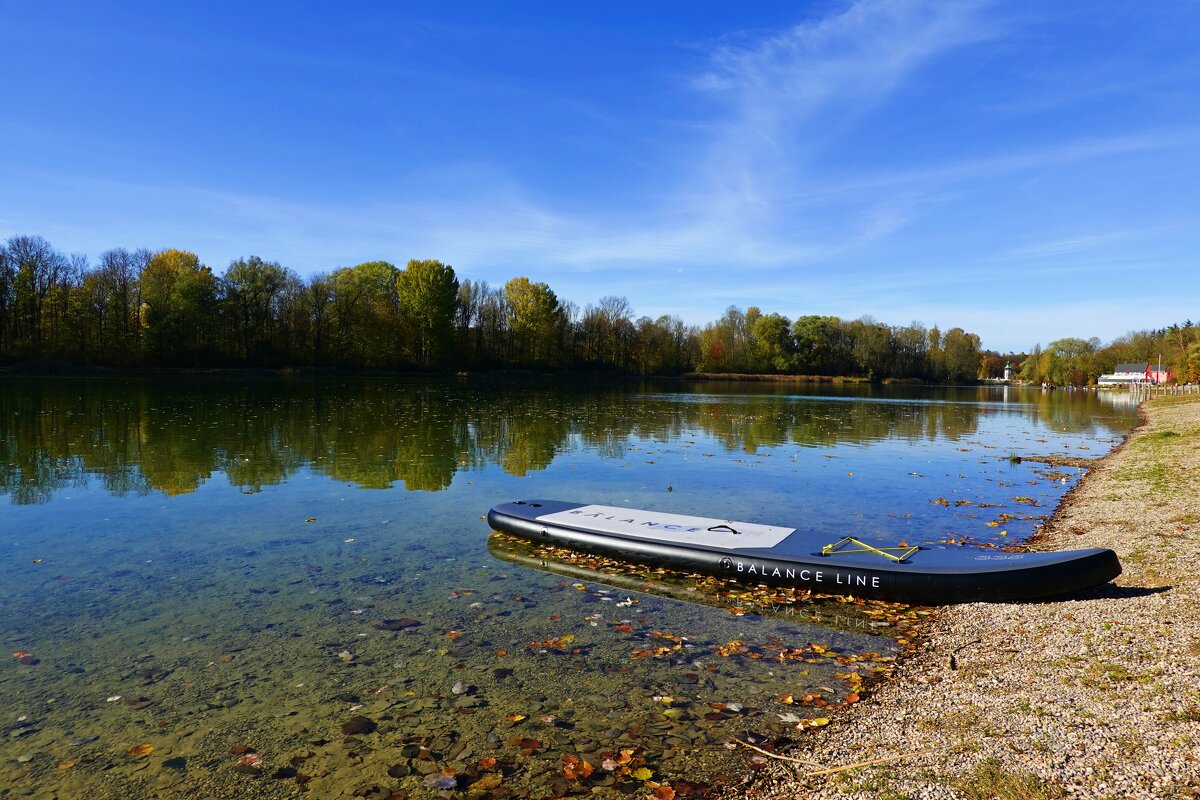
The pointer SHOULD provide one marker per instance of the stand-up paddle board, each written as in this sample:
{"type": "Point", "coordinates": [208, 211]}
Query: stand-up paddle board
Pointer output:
{"type": "Point", "coordinates": [783, 556]}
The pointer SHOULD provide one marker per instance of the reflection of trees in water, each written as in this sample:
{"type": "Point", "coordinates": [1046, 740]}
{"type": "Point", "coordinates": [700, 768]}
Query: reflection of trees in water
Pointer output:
{"type": "Point", "coordinates": [148, 435]}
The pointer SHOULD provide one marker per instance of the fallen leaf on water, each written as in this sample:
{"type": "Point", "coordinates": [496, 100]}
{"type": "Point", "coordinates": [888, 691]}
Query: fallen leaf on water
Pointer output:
{"type": "Point", "coordinates": [311, 519]}
{"type": "Point", "coordinates": [139, 750]}
{"type": "Point", "coordinates": [249, 760]}
{"type": "Point", "coordinates": [68, 764]}
{"type": "Point", "coordinates": [454, 634]}
{"type": "Point", "coordinates": [21, 654]}
{"type": "Point", "coordinates": [852, 698]}
{"type": "Point", "coordinates": [664, 793]}
{"type": "Point", "coordinates": [642, 774]}
{"type": "Point", "coordinates": [513, 718]}
{"type": "Point", "coordinates": [576, 768]}
{"type": "Point", "coordinates": [487, 762]}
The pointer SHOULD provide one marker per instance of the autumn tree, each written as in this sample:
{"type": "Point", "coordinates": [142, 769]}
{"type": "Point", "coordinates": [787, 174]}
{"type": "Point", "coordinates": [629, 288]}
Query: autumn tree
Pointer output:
{"type": "Point", "coordinates": [178, 308]}
{"type": "Point", "coordinates": [534, 315]}
{"type": "Point", "coordinates": [427, 294]}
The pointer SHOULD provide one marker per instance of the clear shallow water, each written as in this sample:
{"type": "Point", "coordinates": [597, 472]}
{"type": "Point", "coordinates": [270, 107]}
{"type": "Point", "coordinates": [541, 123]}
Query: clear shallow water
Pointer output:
{"type": "Point", "coordinates": [225, 558]}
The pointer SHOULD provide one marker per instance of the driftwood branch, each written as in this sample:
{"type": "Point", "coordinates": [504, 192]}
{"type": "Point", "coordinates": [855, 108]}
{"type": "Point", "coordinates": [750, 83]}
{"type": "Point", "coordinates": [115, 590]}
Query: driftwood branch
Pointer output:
{"type": "Point", "coordinates": [816, 773]}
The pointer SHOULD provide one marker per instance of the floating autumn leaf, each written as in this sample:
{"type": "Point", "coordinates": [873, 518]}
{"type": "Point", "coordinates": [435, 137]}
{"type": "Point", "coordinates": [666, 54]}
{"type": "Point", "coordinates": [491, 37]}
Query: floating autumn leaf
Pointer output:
{"type": "Point", "coordinates": [487, 763]}
{"type": "Point", "coordinates": [852, 698]}
{"type": "Point", "coordinates": [642, 774]}
{"type": "Point", "coordinates": [453, 634]}
{"type": "Point", "coordinates": [22, 654]}
{"type": "Point", "coordinates": [525, 745]}
{"type": "Point", "coordinates": [67, 764]}
{"type": "Point", "coordinates": [576, 768]}
{"type": "Point", "coordinates": [140, 750]}
{"type": "Point", "coordinates": [249, 760]}
{"type": "Point", "coordinates": [553, 643]}
{"type": "Point", "coordinates": [663, 792]}
{"type": "Point", "coordinates": [941, 501]}
{"type": "Point", "coordinates": [819, 722]}
{"type": "Point", "coordinates": [513, 719]}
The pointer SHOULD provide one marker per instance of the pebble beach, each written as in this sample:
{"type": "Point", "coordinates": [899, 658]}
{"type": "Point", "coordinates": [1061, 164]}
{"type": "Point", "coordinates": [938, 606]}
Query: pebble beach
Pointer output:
{"type": "Point", "coordinates": [1096, 696]}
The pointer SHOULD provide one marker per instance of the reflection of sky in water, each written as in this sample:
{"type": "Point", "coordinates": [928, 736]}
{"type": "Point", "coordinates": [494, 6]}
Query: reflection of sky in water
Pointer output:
{"type": "Point", "coordinates": [210, 551]}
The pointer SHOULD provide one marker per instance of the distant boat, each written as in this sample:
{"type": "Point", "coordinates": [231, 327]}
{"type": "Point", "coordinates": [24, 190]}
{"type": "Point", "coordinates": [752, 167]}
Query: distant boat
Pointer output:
{"type": "Point", "coordinates": [782, 556]}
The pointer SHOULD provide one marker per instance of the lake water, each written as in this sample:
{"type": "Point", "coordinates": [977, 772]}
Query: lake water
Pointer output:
{"type": "Point", "coordinates": [275, 588]}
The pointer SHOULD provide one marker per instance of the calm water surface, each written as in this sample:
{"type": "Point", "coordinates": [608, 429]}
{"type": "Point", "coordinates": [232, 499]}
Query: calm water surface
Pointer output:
{"type": "Point", "coordinates": [197, 576]}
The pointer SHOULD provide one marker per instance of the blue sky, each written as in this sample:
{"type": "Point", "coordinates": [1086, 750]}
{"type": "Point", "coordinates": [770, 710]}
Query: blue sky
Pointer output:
{"type": "Point", "coordinates": [1026, 170]}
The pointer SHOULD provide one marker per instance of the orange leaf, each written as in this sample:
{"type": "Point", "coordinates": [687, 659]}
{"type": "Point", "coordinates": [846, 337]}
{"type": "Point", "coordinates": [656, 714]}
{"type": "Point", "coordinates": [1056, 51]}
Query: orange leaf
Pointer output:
{"type": "Point", "coordinates": [139, 750]}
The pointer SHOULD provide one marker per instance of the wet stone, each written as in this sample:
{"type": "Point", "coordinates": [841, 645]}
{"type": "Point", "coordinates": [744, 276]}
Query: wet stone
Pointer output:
{"type": "Point", "coordinates": [358, 725]}
{"type": "Point", "coordinates": [425, 767]}
{"type": "Point", "coordinates": [397, 624]}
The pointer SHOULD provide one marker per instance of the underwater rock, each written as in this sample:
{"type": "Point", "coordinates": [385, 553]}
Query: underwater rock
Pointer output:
{"type": "Point", "coordinates": [358, 725]}
{"type": "Point", "coordinates": [398, 624]}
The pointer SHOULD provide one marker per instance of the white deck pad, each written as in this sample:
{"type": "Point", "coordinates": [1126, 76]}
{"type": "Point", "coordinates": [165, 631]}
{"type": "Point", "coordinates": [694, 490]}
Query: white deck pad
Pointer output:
{"type": "Point", "coordinates": [675, 528]}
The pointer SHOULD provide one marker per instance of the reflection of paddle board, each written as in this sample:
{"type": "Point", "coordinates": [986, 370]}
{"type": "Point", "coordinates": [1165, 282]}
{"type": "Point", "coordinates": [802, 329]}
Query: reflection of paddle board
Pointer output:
{"type": "Point", "coordinates": [640, 579]}
{"type": "Point", "coordinates": [778, 555]}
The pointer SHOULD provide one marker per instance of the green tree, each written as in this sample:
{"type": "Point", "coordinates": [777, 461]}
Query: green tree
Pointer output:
{"type": "Point", "coordinates": [772, 347]}
{"type": "Point", "coordinates": [960, 354]}
{"type": "Point", "coordinates": [366, 325]}
{"type": "Point", "coordinates": [427, 294]}
{"type": "Point", "coordinates": [813, 337]}
{"type": "Point", "coordinates": [252, 292]}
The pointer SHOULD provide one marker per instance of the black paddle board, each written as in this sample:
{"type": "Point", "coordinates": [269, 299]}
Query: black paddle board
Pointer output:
{"type": "Point", "coordinates": [785, 556]}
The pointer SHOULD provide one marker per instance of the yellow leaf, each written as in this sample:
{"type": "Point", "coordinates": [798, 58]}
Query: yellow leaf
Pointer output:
{"type": "Point", "coordinates": [642, 774]}
{"type": "Point", "coordinates": [819, 722]}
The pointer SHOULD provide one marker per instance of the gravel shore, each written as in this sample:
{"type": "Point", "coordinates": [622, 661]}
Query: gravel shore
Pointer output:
{"type": "Point", "coordinates": [1097, 696]}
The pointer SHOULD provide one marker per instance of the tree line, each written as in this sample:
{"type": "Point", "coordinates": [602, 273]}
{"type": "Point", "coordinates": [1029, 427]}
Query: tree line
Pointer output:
{"type": "Point", "coordinates": [1078, 362]}
{"type": "Point", "coordinates": [139, 308]}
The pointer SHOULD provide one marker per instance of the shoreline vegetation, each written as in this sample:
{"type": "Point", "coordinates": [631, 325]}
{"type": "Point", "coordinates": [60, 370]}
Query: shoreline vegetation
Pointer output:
{"type": "Point", "coordinates": [167, 309]}
{"type": "Point", "coordinates": [1094, 696]}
